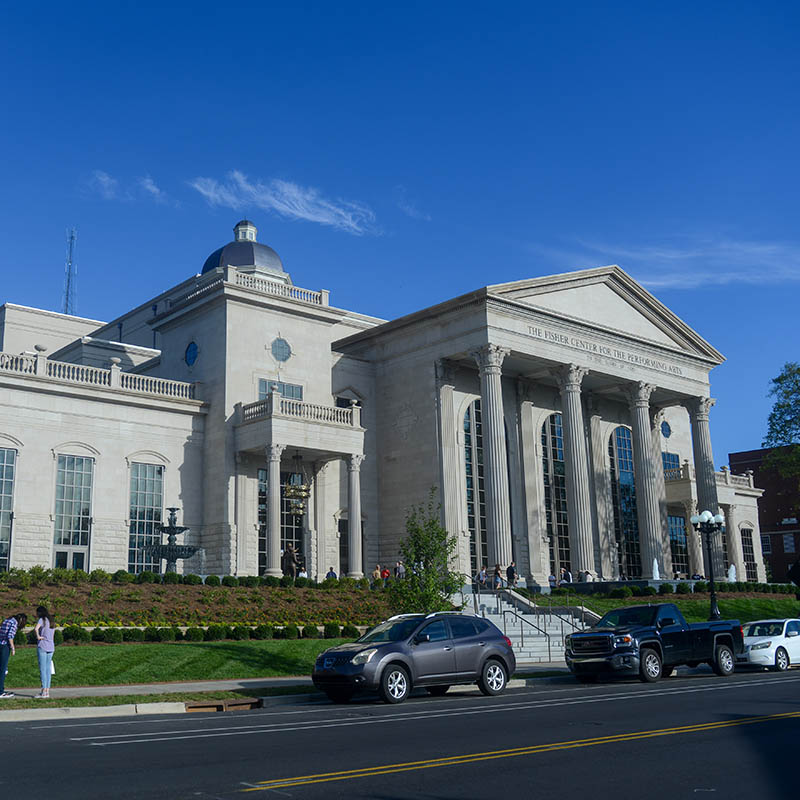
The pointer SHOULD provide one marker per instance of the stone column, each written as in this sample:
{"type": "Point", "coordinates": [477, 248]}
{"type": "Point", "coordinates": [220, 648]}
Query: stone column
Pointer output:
{"type": "Point", "coordinates": [274, 452]}
{"type": "Point", "coordinates": [656, 418]}
{"type": "Point", "coordinates": [705, 477]}
{"type": "Point", "coordinates": [354, 517]}
{"type": "Point", "coordinates": [647, 505]}
{"type": "Point", "coordinates": [579, 504]}
{"type": "Point", "coordinates": [449, 470]}
{"type": "Point", "coordinates": [693, 542]}
{"type": "Point", "coordinates": [498, 513]}
{"type": "Point", "coordinates": [735, 551]}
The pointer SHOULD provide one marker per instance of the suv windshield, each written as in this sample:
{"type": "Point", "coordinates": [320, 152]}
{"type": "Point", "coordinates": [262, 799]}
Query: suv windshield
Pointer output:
{"type": "Point", "coordinates": [392, 630]}
{"type": "Point", "coordinates": [626, 617]}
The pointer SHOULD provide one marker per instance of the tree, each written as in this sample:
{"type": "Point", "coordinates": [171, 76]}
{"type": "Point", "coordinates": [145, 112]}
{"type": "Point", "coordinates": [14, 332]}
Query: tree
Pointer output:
{"type": "Point", "coordinates": [783, 425]}
{"type": "Point", "coordinates": [427, 552]}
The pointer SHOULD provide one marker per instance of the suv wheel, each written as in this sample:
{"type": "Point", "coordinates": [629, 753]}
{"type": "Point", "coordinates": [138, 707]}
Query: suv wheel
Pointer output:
{"type": "Point", "coordinates": [650, 669]}
{"type": "Point", "coordinates": [723, 661]}
{"type": "Point", "coordinates": [493, 678]}
{"type": "Point", "coordinates": [395, 685]}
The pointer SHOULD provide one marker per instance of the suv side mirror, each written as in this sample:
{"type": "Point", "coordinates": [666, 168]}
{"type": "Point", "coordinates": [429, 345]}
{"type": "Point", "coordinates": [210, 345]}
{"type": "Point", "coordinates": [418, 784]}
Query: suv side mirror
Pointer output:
{"type": "Point", "coordinates": [420, 638]}
{"type": "Point", "coordinates": [791, 633]}
{"type": "Point", "coordinates": [664, 621]}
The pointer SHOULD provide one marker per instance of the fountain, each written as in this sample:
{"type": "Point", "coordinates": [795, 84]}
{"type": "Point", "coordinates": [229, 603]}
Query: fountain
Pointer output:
{"type": "Point", "coordinates": [732, 573]}
{"type": "Point", "coordinates": [656, 571]}
{"type": "Point", "coordinates": [171, 551]}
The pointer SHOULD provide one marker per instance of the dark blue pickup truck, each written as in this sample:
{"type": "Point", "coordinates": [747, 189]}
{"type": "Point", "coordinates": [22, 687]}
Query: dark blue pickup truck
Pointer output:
{"type": "Point", "coordinates": [650, 641]}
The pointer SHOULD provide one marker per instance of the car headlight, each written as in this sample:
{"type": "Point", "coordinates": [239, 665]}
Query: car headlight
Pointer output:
{"type": "Point", "coordinates": [364, 656]}
{"type": "Point", "coordinates": [761, 646]}
{"type": "Point", "coordinates": [621, 641]}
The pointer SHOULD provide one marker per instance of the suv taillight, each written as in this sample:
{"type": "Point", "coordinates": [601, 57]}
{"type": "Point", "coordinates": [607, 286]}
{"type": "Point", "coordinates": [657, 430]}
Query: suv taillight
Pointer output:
{"type": "Point", "coordinates": [507, 641]}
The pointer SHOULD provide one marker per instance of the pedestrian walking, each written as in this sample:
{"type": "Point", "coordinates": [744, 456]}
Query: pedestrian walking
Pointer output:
{"type": "Point", "coordinates": [376, 575]}
{"type": "Point", "coordinates": [45, 647]}
{"type": "Point", "coordinates": [497, 578]}
{"type": "Point", "coordinates": [400, 570]}
{"type": "Point", "coordinates": [8, 630]}
{"type": "Point", "coordinates": [385, 575]}
{"type": "Point", "coordinates": [511, 575]}
{"type": "Point", "coordinates": [331, 574]}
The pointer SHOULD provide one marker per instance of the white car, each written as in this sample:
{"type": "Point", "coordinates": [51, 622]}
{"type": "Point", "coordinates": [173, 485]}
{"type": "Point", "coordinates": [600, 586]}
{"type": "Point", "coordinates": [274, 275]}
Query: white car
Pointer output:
{"type": "Point", "coordinates": [773, 643]}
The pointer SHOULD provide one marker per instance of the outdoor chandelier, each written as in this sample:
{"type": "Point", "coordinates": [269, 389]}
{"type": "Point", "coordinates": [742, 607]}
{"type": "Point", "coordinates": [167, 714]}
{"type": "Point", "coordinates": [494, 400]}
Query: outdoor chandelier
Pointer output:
{"type": "Point", "coordinates": [298, 490]}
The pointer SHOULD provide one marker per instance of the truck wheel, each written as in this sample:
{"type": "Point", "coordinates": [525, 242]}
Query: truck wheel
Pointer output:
{"type": "Point", "coordinates": [395, 685]}
{"type": "Point", "coordinates": [493, 678]}
{"type": "Point", "coordinates": [723, 661]}
{"type": "Point", "coordinates": [781, 660]}
{"type": "Point", "coordinates": [650, 669]}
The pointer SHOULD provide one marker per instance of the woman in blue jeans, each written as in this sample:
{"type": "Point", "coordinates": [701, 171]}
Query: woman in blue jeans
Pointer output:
{"type": "Point", "coordinates": [45, 628]}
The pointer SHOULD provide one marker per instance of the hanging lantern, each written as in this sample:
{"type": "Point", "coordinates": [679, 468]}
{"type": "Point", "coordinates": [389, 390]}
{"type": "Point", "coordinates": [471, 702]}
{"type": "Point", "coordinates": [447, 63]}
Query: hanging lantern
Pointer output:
{"type": "Point", "coordinates": [298, 489]}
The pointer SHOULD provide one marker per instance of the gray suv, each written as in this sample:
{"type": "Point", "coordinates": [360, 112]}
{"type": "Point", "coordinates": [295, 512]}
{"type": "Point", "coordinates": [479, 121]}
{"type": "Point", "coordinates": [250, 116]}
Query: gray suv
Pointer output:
{"type": "Point", "coordinates": [433, 651]}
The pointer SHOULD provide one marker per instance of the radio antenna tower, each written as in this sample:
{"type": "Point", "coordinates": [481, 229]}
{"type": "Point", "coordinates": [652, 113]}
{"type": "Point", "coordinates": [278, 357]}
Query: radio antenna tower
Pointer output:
{"type": "Point", "coordinates": [71, 275]}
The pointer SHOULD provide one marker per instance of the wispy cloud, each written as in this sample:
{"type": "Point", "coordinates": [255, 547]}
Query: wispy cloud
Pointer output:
{"type": "Point", "coordinates": [109, 188]}
{"type": "Point", "coordinates": [287, 199]}
{"type": "Point", "coordinates": [148, 186]}
{"type": "Point", "coordinates": [103, 184]}
{"type": "Point", "coordinates": [407, 206]}
{"type": "Point", "coordinates": [692, 262]}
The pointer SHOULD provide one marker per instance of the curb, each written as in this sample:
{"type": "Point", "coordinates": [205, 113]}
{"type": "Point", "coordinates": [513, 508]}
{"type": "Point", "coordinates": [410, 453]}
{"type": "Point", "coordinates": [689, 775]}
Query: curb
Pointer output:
{"type": "Point", "coordinates": [87, 712]}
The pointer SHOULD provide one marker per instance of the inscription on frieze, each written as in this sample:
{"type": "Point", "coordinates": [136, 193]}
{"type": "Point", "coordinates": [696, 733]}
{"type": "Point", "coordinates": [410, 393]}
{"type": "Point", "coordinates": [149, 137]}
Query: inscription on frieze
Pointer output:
{"type": "Point", "coordinates": [604, 350]}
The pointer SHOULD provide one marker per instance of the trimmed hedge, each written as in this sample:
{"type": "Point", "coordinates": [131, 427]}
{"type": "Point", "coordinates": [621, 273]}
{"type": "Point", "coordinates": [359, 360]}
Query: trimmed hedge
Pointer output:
{"type": "Point", "coordinates": [171, 578]}
{"type": "Point", "coordinates": [311, 632]}
{"type": "Point", "coordinates": [132, 635]}
{"type": "Point", "coordinates": [350, 632]}
{"type": "Point", "coordinates": [332, 630]}
{"type": "Point", "coordinates": [193, 635]}
{"type": "Point", "coordinates": [666, 588]}
{"type": "Point", "coordinates": [230, 580]}
{"type": "Point", "coordinates": [192, 580]}
{"type": "Point", "coordinates": [212, 580]}
{"type": "Point", "coordinates": [113, 635]}
{"type": "Point", "coordinates": [620, 592]}
{"type": "Point", "coordinates": [291, 632]}
{"type": "Point", "coordinates": [123, 576]}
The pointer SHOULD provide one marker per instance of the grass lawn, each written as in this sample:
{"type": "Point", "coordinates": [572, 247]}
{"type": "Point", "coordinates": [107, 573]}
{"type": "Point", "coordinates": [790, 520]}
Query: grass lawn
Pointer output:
{"type": "Point", "coordinates": [694, 608]}
{"type": "Point", "coordinates": [102, 665]}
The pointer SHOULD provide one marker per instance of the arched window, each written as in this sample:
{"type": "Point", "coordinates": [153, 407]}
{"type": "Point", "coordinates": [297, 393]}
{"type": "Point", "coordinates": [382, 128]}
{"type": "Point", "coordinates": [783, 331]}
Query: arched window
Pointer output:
{"type": "Point", "coordinates": [475, 486]}
{"type": "Point", "coordinates": [623, 493]}
{"type": "Point", "coordinates": [555, 493]}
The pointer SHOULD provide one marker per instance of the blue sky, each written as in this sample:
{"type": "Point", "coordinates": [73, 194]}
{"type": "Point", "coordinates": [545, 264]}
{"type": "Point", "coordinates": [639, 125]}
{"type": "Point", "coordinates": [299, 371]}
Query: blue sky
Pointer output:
{"type": "Point", "coordinates": [401, 154]}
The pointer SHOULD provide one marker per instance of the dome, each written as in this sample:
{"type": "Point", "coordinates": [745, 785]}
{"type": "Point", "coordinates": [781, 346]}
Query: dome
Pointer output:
{"type": "Point", "coordinates": [246, 254]}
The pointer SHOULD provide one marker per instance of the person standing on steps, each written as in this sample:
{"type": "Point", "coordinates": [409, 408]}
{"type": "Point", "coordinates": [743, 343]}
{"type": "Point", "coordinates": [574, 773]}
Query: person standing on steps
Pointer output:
{"type": "Point", "coordinates": [45, 646]}
{"type": "Point", "coordinates": [511, 575]}
{"type": "Point", "coordinates": [8, 630]}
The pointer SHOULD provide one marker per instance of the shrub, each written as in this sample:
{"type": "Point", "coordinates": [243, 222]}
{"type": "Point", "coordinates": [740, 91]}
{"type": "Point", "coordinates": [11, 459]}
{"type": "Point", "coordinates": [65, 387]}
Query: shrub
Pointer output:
{"type": "Point", "coordinates": [165, 635]}
{"type": "Point", "coordinates": [113, 635]}
{"type": "Point", "coordinates": [349, 583]}
{"type": "Point", "coordinates": [291, 632]}
{"type": "Point", "coordinates": [250, 581]}
{"type": "Point", "coordinates": [214, 633]}
{"type": "Point", "coordinates": [636, 591]}
{"type": "Point", "coordinates": [666, 588]}
{"type": "Point", "coordinates": [193, 635]}
{"type": "Point", "coordinates": [58, 576]}
{"type": "Point", "coordinates": [99, 576]}
{"type": "Point", "coordinates": [278, 633]}
{"type": "Point", "coordinates": [332, 630]}
{"type": "Point", "coordinates": [74, 633]}
{"type": "Point", "coordinates": [329, 583]}
{"type": "Point", "coordinates": [192, 580]}
{"type": "Point", "coordinates": [230, 580]}
{"type": "Point", "coordinates": [30, 637]}
{"type": "Point", "coordinates": [151, 633]}
{"type": "Point", "coordinates": [240, 633]}
{"type": "Point", "coordinates": [722, 586]}
{"type": "Point", "coordinates": [78, 576]}
{"type": "Point", "coordinates": [20, 638]}
{"type": "Point", "coordinates": [98, 635]}
{"type": "Point", "coordinates": [212, 580]}
{"type": "Point", "coordinates": [179, 635]}
{"type": "Point", "coordinates": [683, 588]}
{"type": "Point", "coordinates": [350, 632]}
{"type": "Point", "coordinates": [132, 635]}
{"type": "Point", "coordinates": [363, 583]}
{"type": "Point", "coordinates": [301, 583]}
{"type": "Point", "coordinates": [171, 577]}
{"type": "Point", "coordinates": [648, 591]}
{"type": "Point", "coordinates": [311, 632]}
{"type": "Point", "coordinates": [38, 575]}
{"type": "Point", "coordinates": [261, 632]}
{"type": "Point", "coordinates": [123, 576]}
{"type": "Point", "coordinates": [700, 587]}
{"type": "Point", "coordinates": [58, 637]}
{"type": "Point", "coordinates": [270, 580]}
{"type": "Point", "coordinates": [286, 581]}
{"type": "Point", "coordinates": [621, 591]}
{"type": "Point", "coordinates": [146, 576]}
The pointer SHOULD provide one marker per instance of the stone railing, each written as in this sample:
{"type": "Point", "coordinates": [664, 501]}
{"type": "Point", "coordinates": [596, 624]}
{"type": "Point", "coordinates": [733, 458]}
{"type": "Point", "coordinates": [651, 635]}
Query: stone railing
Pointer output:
{"type": "Point", "coordinates": [266, 286]}
{"type": "Point", "coordinates": [276, 406]}
{"type": "Point", "coordinates": [723, 477]}
{"type": "Point", "coordinates": [80, 375]}
{"type": "Point", "coordinates": [195, 293]}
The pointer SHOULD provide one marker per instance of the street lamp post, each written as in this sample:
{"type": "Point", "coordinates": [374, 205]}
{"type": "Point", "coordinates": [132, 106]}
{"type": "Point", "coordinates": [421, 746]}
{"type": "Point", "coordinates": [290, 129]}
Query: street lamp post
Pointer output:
{"type": "Point", "coordinates": [708, 525]}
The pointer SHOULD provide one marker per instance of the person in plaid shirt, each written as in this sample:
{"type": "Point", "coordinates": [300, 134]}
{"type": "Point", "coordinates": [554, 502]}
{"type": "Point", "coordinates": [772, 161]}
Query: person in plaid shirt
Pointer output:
{"type": "Point", "coordinates": [8, 630]}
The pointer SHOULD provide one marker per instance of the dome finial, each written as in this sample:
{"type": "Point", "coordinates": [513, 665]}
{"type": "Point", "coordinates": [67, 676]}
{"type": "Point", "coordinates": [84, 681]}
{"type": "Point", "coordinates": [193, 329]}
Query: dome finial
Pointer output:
{"type": "Point", "coordinates": [244, 231]}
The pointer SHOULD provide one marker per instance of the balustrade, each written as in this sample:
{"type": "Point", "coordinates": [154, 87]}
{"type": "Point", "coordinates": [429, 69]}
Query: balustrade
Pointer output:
{"type": "Point", "coordinates": [25, 365]}
{"type": "Point", "coordinates": [297, 409]}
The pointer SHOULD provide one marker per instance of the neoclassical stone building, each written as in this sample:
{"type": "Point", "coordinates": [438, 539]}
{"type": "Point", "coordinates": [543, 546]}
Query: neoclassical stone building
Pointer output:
{"type": "Point", "coordinates": [564, 420]}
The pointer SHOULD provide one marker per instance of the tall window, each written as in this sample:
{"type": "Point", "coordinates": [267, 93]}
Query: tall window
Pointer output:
{"type": "Point", "coordinates": [750, 567]}
{"type": "Point", "coordinates": [8, 464]}
{"type": "Point", "coordinates": [291, 524]}
{"type": "Point", "coordinates": [678, 545]}
{"type": "Point", "coordinates": [476, 493]}
{"type": "Point", "coordinates": [146, 515]}
{"type": "Point", "coordinates": [555, 493]}
{"type": "Point", "coordinates": [623, 493]}
{"type": "Point", "coordinates": [672, 465]}
{"type": "Point", "coordinates": [73, 511]}
{"type": "Point", "coordinates": [291, 391]}
{"type": "Point", "coordinates": [766, 544]}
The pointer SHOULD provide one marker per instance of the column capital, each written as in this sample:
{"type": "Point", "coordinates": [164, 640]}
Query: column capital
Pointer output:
{"type": "Point", "coordinates": [445, 372]}
{"type": "Point", "coordinates": [699, 406]}
{"type": "Point", "coordinates": [490, 357]}
{"type": "Point", "coordinates": [657, 416]}
{"type": "Point", "coordinates": [570, 377]}
{"type": "Point", "coordinates": [355, 462]}
{"type": "Point", "coordinates": [274, 451]}
{"type": "Point", "coordinates": [639, 394]}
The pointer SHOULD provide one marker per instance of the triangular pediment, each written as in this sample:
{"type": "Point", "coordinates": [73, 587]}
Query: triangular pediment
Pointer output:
{"type": "Point", "coordinates": [607, 298]}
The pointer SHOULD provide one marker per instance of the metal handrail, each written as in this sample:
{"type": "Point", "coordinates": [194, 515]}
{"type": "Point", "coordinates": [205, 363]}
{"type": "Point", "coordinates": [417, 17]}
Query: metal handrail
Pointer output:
{"type": "Point", "coordinates": [522, 630]}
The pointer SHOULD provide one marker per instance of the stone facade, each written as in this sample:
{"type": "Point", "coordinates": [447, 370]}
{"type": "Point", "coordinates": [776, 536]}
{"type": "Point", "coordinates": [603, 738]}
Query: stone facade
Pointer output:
{"type": "Point", "coordinates": [226, 383]}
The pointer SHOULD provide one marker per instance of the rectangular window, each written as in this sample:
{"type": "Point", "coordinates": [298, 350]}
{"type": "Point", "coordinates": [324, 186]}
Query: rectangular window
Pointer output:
{"type": "Point", "coordinates": [749, 556]}
{"type": "Point", "coordinates": [291, 391]}
{"type": "Point", "coordinates": [8, 465]}
{"type": "Point", "coordinates": [788, 543]}
{"type": "Point", "coordinates": [672, 466]}
{"type": "Point", "coordinates": [291, 523]}
{"type": "Point", "coordinates": [766, 544]}
{"type": "Point", "coordinates": [146, 515]}
{"type": "Point", "coordinates": [73, 511]}
{"type": "Point", "coordinates": [678, 545]}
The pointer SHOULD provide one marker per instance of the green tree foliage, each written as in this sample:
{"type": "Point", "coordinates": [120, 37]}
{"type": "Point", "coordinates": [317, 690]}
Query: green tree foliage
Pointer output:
{"type": "Point", "coordinates": [783, 425]}
{"type": "Point", "coordinates": [428, 552]}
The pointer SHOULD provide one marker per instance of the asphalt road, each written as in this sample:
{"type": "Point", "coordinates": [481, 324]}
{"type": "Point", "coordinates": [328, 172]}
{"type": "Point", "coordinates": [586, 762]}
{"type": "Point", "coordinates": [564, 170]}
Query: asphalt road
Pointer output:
{"type": "Point", "coordinates": [692, 736]}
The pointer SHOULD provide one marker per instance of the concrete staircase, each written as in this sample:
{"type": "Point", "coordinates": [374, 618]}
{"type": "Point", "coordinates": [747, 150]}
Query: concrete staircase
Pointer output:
{"type": "Point", "coordinates": [536, 631]}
